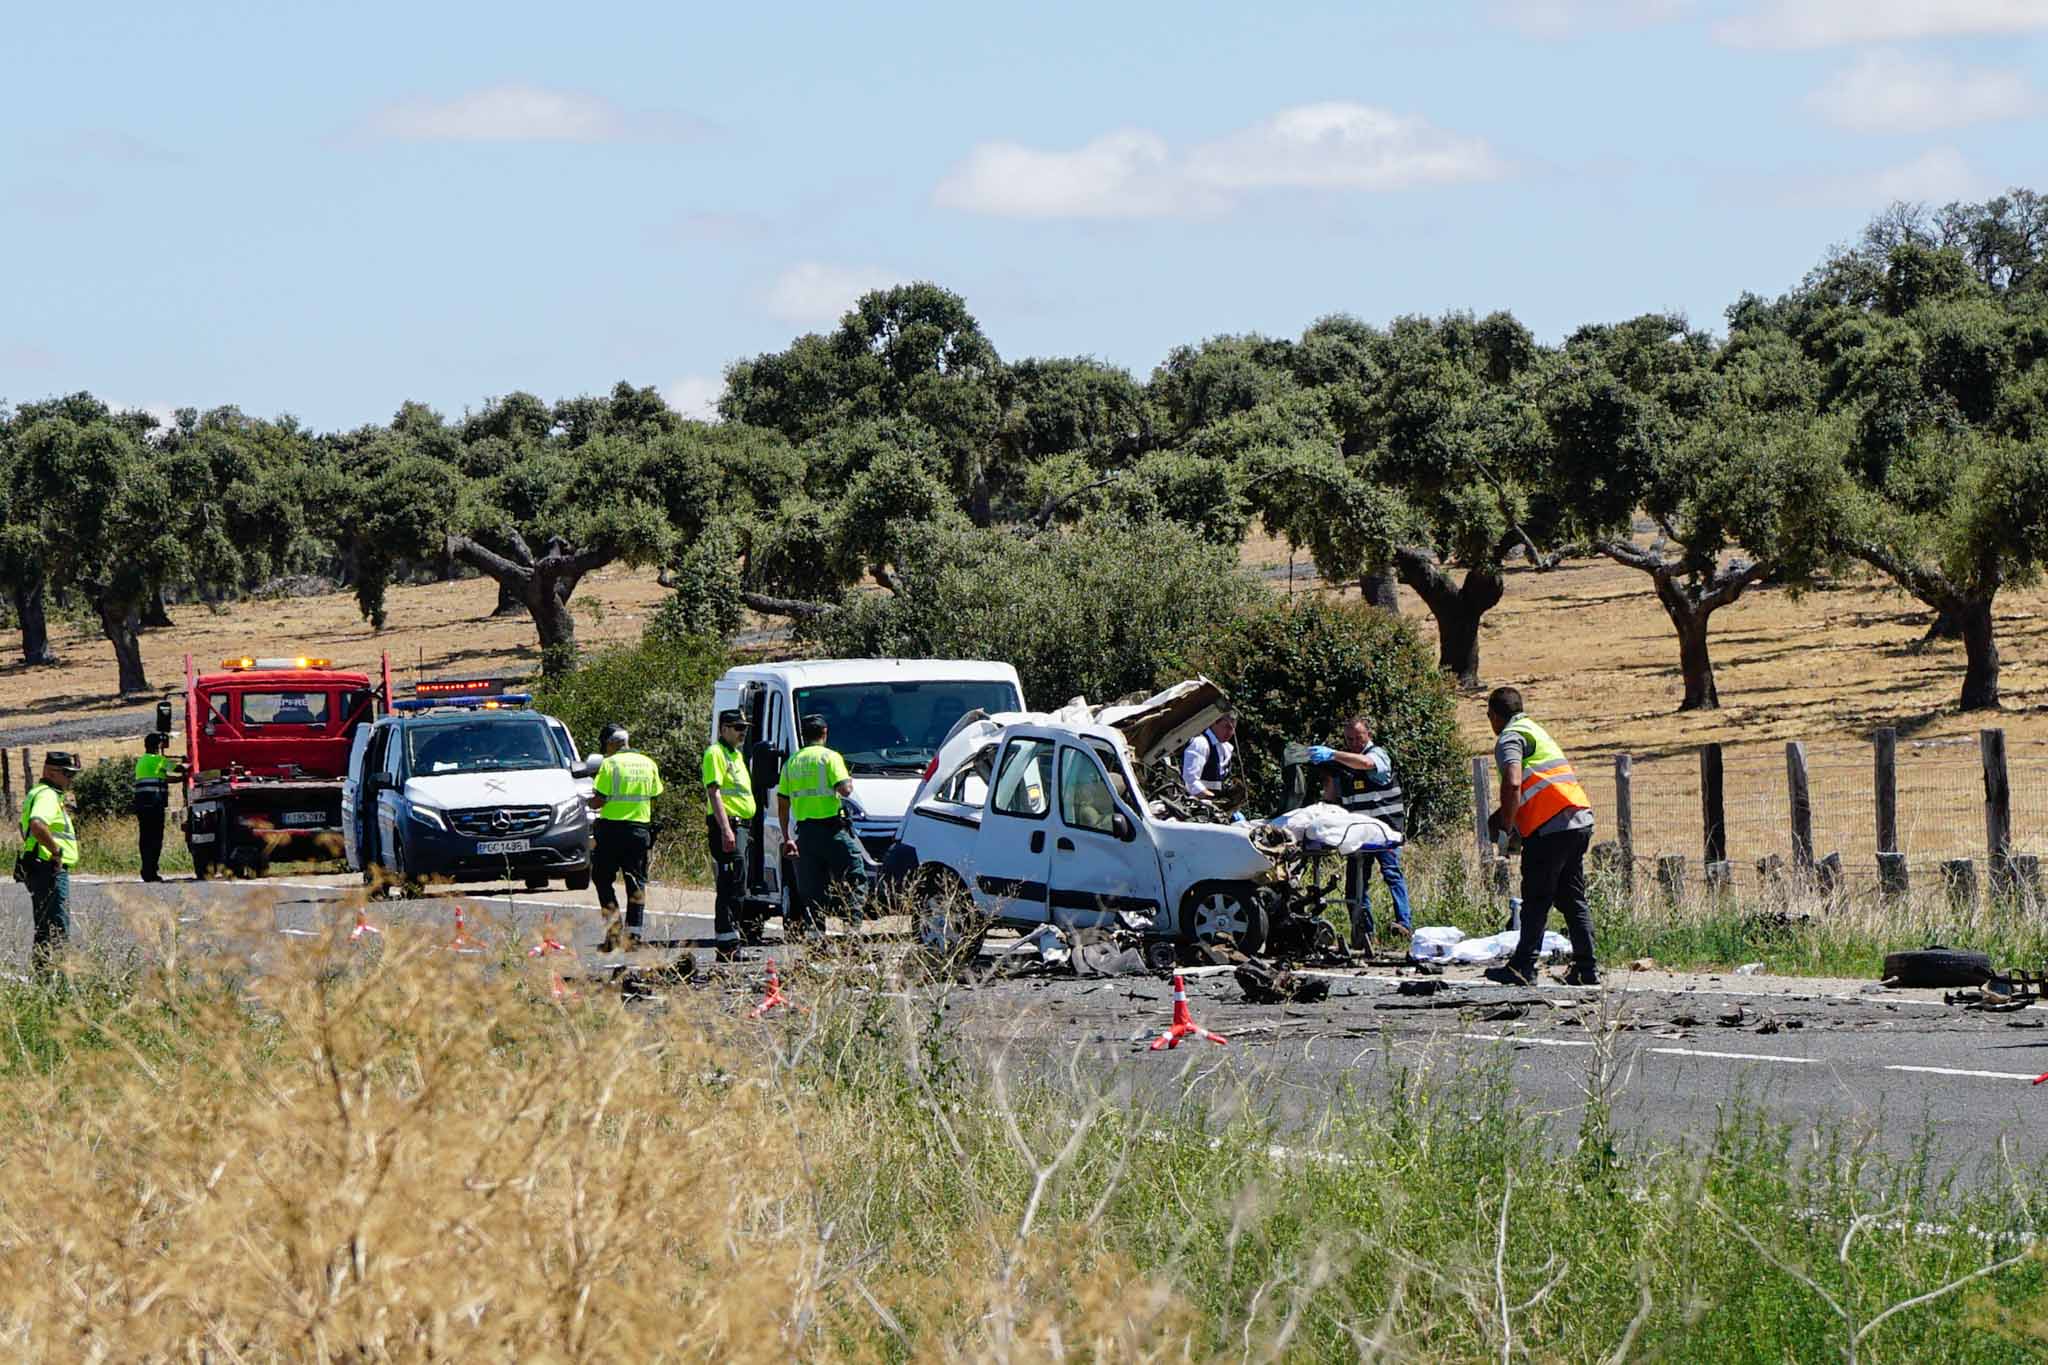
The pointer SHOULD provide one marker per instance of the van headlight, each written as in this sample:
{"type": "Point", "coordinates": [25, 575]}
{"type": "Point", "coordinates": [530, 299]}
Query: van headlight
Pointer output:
{"type": "Point", "coordinates": [427, 816]}
{"type": "Point", "coordinates": [570, 811]}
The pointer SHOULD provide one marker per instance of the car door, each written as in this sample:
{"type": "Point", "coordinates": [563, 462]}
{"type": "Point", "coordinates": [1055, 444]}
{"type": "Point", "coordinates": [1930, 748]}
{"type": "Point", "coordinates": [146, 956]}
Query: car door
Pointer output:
{"type": "Point", "coordinates": [352, 798]}
{"type": "Point", "coordinates": [1014, 851]}
{"type": "Point", "coordinates": [1096, 872]}
{"type": "Point", "coordinates": [390, 808]}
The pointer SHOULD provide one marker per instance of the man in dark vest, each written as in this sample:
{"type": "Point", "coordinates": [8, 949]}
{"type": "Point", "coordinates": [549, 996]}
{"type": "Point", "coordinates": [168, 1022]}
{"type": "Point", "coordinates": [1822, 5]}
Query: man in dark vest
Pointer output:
{"type": "Point", "coordinates": [1360, 777]}
{"type": "Point", "coordinates": [1206, 763]}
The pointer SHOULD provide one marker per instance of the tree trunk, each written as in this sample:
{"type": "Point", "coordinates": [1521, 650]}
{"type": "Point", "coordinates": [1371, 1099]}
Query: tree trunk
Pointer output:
{"type": "Point", "coordinates": [120, 622]}
{"type": "Point", "coordinates": [1695, 664]}
{"type": "Point", "coordinates": [155, 614]}
{"type": "Point", "coordinates": [1980, 645]}
{"type": "Point", "coordinates": [35, 623]}
{"type": "Point", "coordinates": [511, 601]}
{"type": "Point", "coordinates": [1948, 625]}
{"type": "Point", "coordinates": [1458, 608]}
{"type": "Point", "coordinates": [555, 623]}
{"type": "Point", "coordinates": [1381, 589]}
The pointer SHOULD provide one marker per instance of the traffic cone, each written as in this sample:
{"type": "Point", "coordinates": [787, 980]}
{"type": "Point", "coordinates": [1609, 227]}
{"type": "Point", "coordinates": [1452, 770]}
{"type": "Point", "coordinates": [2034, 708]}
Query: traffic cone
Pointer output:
{"type": "Point", "coordinates": [549, 944]}
{"type": "Point", "coordinates": [462, 942]}
{"type": "Point", "coordinates": [363, 926]}
{"type": "Point", "coordinates": [774, 997]}
{"type": "Point", "coordinates": [1184, 1024]}
{"type": "Point", "coordinates": [2040, 1078]}
{"type": "Point", "coordinates": [558, 989]}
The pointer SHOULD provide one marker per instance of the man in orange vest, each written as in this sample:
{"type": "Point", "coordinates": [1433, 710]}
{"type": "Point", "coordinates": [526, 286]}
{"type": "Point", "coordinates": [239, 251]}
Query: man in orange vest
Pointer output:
{"type": "Point", "coordinates": [1541, 800]}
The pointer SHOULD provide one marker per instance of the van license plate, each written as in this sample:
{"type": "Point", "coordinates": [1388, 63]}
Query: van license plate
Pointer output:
{"type": "Point", "coordinates": [305, 817]}
{"type": "Point", "coordinates": [503, 845]}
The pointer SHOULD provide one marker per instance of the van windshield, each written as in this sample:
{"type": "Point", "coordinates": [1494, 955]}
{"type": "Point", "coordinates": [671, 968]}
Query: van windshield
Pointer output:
{"type": "Point", "coordinates": [472, 746]}
{"type": "Point", "coordinates": [898, 727]}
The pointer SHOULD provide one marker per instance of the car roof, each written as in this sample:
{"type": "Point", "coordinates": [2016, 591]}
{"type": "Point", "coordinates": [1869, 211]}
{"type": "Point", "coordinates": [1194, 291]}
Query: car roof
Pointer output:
{"type": "Point", "coordinates": [825, 672]}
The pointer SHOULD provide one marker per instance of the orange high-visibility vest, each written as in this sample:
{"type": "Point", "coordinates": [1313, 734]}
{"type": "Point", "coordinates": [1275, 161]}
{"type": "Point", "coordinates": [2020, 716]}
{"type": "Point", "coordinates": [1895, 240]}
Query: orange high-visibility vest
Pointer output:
{"type": "Point", "coordinates": [1549, 786]}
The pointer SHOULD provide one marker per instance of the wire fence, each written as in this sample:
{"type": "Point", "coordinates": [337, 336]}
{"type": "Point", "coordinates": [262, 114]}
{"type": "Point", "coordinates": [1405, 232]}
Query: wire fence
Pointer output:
{"type": "Point", "coordinates": [1945, 808]}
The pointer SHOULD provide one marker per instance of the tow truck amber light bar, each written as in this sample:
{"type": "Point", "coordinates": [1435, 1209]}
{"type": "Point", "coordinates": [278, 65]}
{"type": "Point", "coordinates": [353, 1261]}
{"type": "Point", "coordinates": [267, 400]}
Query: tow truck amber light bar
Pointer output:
{"type": "Point", "coordinates": [245, 663]}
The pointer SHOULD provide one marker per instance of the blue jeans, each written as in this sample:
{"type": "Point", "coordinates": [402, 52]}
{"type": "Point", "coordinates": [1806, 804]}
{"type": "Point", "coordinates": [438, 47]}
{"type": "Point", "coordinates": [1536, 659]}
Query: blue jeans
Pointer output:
{"type": "Point", "coordinates": [1358, 885]}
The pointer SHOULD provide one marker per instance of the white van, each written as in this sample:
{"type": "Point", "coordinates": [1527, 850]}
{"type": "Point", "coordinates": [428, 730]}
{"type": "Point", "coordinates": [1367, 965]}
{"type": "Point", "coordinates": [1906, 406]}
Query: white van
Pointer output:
{"type": "Point", "coordinates": [888, 718]}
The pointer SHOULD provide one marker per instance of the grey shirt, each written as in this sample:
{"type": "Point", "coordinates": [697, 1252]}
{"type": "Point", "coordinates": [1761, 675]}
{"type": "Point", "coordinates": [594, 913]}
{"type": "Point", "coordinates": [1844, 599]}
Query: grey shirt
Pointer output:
{"type": "Point", "coordinates": [1509, 748]}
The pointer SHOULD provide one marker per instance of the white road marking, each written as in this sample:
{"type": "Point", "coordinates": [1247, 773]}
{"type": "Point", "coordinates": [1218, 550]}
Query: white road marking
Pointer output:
{"type": "Point", "coordinates": [1732, 1056]}
{"type": "Point", "coordinates": [1539, 1042]}
{"type": "Point", "coordinates": [1955, 1071]}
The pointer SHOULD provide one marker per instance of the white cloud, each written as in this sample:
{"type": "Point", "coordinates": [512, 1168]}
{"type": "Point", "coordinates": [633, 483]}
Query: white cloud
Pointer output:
{"type": "Point", "coordinates": [1832, 23]}
{"type": "Point", "coordinates": [1889, 92]}
{"type": "Point", "coordinates": [527, 113]}
{"type": "Point", "coordinates": [695, 396]}
{"type": "Point", "coordinates": [1135, 173]}
{"type": "Point", "coordinates": [1938, 176]}
{"type": "Point", "coordinates": [1125, 174]}
{"type": "Point", "coordinates": [811, 293]}
{"type": "Point", "coordinates": [1563, 18]}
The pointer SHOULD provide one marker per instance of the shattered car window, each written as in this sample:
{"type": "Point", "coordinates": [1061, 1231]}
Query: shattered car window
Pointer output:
{"type": "Point", "coordinates": [968, 786]}
{"type": "Point", "coordinates": [1022, 787]}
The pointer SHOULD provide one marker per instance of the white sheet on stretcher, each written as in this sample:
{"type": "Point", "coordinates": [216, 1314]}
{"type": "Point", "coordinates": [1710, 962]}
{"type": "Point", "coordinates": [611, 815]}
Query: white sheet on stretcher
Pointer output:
{"type": "Point", "coordinates": [1445, 944]}
{"type": "Point", "coordinates": [1329, 828]}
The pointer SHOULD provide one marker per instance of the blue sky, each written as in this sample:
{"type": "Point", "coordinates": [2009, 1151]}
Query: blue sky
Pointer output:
{"type": "Point", "coordinates": [325, 210]}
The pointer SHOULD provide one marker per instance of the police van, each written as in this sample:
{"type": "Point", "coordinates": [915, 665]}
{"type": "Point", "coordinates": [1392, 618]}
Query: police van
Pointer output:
{"type": "Point", "coordinates": [887, 717]}
{"type": "Point", "coordinates": [465, 782]}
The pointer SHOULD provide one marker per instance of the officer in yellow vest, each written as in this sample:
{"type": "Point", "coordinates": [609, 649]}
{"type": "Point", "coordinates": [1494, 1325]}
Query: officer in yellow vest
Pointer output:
{"type": "Point", "coordinates": [623, 835]}
{"type": "Point", "coordinates": [1541, 800]}
{"type": "Point", "coordinates": [817, 836]}
{"type": "Point", "coordinates": [49, 850]}
{"type": "Point", "coordinates": [728, 826]}
{"type": "Point", "coordinates": [154, 774]}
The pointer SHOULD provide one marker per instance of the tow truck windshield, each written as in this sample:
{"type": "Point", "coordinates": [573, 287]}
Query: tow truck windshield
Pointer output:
{"type": "Point", "coordinates": [465, 745]}
{"type": "Point", "coordinates": [897, 727]}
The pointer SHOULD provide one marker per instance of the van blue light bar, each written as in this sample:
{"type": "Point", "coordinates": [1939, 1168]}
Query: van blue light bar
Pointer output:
{"type": "Point", "coordinates": [504, 701]}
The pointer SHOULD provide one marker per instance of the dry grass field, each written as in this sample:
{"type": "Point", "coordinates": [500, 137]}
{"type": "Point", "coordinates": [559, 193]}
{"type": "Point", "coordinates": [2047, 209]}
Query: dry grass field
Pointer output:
{"type": "Point", "coordinates": [1587, 643]}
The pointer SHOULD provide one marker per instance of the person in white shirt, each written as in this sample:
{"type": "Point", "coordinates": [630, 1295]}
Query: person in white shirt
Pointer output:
{"type": "Point", "coordinates": [1205, 764]}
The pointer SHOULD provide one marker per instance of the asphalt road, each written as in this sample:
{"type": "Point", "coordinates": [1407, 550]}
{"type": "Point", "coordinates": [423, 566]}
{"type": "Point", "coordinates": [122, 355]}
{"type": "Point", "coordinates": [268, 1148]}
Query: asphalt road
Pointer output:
{"type": "Point", "coordinates": [1820, 1056]}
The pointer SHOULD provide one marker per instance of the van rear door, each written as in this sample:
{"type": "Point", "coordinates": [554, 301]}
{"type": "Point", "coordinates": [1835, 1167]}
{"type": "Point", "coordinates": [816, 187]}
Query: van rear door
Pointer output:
{"type": "Point", "coordinates": [352, 797]}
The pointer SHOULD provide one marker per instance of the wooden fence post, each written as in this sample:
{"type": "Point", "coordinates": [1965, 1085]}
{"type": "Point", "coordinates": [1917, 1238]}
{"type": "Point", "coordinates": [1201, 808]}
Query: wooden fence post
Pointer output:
{"type": "Point", "coordinates": [6, 783]}
{"type": "Point", "coordinates": [1625, 821]}
{"type": "Point", "coordinates": [1997, 813]}
{"type": "Point", "coordinates": [1891, 863]}
{"type": "Point", "coordinates": [1714, 816]}
{"type": "Point", "coordinates": [28, 776]}
{"type": "Point", "coordinates": [1800, 800]}
{"type": "Point", "coordinates": [1482, 807]}
{"type": "Point", "coordinates": [1959, 875]}
{"type": "Point", "coordinates": [1671, 876]}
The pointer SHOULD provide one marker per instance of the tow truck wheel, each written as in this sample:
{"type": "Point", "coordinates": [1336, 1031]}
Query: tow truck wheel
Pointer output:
{"type": "Point", "coordinates": [944, 920]}
{"type": "Point", "coordinates": [1217, 910]}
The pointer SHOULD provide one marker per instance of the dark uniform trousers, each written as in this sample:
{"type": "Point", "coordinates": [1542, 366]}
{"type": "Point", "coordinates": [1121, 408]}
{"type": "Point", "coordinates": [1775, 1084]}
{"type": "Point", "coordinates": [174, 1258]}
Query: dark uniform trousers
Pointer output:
{"type": "Point", "coordinates": [1554, 873]}
{"type": "Point", "coordinates": [149, 833]}
{"type": "Point", "coordinates": [620, 847]}
{"type": "Point", "coordinates": [828, 864]}
{"type": "Point", "coordinates": [731, 869]}
{"type": "Point", "coordinates": [49, 899]}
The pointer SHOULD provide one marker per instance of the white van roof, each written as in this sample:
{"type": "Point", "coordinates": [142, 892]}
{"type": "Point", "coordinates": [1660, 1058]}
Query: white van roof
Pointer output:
{"type": "Point", "coordinates": [825, 672]}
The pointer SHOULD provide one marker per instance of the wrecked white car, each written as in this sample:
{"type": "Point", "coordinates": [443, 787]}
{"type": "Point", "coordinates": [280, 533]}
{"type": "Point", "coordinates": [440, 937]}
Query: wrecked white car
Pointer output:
{"type": "Point", "coordinates": [1039, 818]}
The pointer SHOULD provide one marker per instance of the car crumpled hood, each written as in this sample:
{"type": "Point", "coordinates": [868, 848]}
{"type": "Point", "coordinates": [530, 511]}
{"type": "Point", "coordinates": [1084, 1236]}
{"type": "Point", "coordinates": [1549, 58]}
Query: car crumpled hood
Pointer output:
{"type": "Point", "coordinates": [466, 791]}
{"type": "Point", "coordinates": [1165, 721]}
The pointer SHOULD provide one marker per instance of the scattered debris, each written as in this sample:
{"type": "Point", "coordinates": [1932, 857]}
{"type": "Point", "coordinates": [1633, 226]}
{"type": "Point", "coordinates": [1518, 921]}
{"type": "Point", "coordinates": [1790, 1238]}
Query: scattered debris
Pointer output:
{"type": "Point", "coordinates": [1643, 964]}
{"type": "Point", "coordinates": [1749, 969]}
{"type": "Point", "coordinates": [1734, 1018]}
{"type": "Point", "coordinates": [1264, 986]}
{"type": "Point", "coordinates": [1427, 986]}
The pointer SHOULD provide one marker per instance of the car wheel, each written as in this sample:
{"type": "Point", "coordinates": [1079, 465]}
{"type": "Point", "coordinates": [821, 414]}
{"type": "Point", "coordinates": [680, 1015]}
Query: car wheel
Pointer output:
{"type": "Point", "coordinates": [576, 881]}
{"type": "Point", "coordinates": [1225, 910]}
{"type": "Point", "coordinates": [944, 920]}
{"type": "Point", "coordinates": [409, 887]}
{"type": "Point", "coordinates": [536, 883]}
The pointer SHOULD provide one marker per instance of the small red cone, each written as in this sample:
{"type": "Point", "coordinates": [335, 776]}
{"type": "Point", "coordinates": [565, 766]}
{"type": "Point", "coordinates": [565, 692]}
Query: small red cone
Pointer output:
{"type": "Point", "coordinates": [549, 944]}
{"type": "Point", "coordinates": [1184, 1024]}
{"type": "Point", "coordinates": [2040, 1078]}
{"type": "Point", "coordinates": [559, 989]}
{"type": "Point", "coordinates": [774, 997]}
{"type": "Point", "coordinates": [462, 942]}
{"type": "Point", "coordinates": [363, 926]}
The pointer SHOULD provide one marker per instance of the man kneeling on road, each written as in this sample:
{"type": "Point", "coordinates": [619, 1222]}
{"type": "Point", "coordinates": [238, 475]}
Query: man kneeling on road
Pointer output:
{"type": "Point", "coordinates": [816, 837]}
{"type": "Point", "coordinates": [49, 852]}
{"type": "Point", "coordinates": [1541, 800]}
{"type": "Point", "coordinates": [728, 806]}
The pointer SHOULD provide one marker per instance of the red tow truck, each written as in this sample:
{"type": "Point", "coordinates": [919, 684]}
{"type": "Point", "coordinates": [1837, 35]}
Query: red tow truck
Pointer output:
{"type": "Point", "coordinates": [266, 748]}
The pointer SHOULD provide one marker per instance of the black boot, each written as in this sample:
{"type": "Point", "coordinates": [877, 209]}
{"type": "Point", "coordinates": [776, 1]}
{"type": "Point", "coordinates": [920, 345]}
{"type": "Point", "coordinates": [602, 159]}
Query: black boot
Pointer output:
{"type": "Point", "coordinates": [1509, 975]}
{"type": "Point", "coordinates": [1582, 974]}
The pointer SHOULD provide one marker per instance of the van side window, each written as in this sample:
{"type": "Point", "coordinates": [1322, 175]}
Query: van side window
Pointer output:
{"type": "Point", "coordinates": [1085, 802]}
{"type": "Point", "coordinates": [1023, 787]}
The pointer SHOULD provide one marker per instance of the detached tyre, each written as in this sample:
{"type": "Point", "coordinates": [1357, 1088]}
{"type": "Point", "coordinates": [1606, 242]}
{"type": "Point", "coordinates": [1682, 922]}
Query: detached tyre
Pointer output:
{"type": "Point", "coordinates": [1930, 967]}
